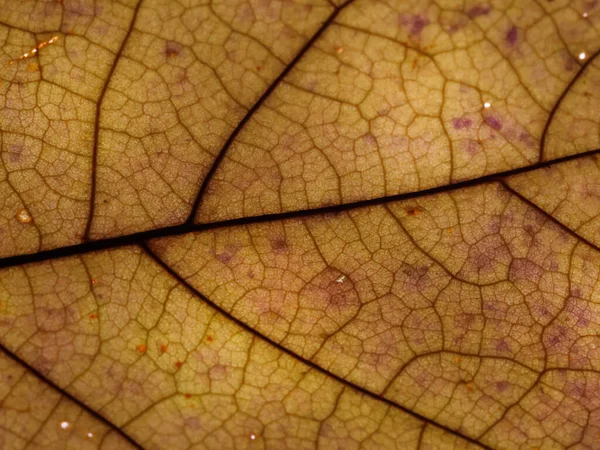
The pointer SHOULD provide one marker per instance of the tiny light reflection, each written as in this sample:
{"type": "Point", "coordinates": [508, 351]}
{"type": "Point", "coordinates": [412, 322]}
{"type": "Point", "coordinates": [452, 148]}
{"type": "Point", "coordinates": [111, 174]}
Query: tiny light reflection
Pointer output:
{"type": "Point", "coordinates": [90, 435]}
{"type": "Point", "coordinates": [582, 55]}
{"type": "Point", "coordinates": [487, 105]}
{"type": "Point", "coordinates": [64, 425]}
{"type": "Point", "coordinates": [252, 436]}
{"type": "Point", "coordinates": [585, 15]}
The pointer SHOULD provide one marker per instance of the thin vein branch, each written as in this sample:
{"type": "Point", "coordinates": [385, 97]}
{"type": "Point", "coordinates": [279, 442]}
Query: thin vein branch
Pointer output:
{"type": "Point", "coordinates": [66, 394]}
{"type": "Point", "coordinates": [298, 357]}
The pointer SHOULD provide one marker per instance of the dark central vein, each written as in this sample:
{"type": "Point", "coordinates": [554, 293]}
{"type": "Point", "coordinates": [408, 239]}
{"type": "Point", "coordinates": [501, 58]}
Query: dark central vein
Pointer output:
{"type": "Point", "coordinates": [175, 230]}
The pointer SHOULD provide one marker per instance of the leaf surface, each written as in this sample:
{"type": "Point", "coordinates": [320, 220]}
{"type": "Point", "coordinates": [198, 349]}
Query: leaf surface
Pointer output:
{"type": "Point", "coordinates": [299, 224]}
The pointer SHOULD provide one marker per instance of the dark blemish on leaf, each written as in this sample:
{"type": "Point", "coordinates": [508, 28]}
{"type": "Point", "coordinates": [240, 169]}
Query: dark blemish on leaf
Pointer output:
{"type": "Point", "coordinates": [414, 23]}
{"type": "Point", "coordinates": [502, 386]}
{"type": "Point", "coordinates": [173, 48]}
{"type": "Point", "coordinates": [479, 10]}
{"type": "Point", "coordinates": [187, 395]}
{"type": "Point", "coordinates": [511, 36]}
{"type": "Point", "coordinates": [279, 245]}
{"type": "Point", "coordinates": [227, 254]}
{"type": "Point", "coordinates": [178, 364]}
{"type": "Point", "coordinates": [209, 338]}
{"type": "Point", "coordinates": [493, 122]}
{"type": "Point", "coordinates": [461, 122]}
{"type": "Point", "coordinates": [412, 211]}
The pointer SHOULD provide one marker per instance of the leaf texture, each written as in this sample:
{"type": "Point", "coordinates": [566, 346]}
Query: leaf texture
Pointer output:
{"type": "Point", "coordinates": [299, 224]}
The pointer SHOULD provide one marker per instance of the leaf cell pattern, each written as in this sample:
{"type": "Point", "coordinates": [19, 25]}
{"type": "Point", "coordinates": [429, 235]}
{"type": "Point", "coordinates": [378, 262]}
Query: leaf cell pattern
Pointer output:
{"type": "Point", "coordinates": [299, 224]}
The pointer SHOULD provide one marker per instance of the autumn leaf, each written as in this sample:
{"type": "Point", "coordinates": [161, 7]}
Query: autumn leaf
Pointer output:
{"type": "Point", "coordinates": [299, 224]}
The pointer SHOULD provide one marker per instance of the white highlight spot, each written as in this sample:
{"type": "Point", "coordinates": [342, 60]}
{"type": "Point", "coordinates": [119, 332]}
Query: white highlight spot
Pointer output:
{"type": "Point", "coordinates": [487, 104]}
{"type": "Point", "coordinates": [90, 435]}
{"type": "Point", "coordinates": [585, 15]}
{"type": "Point", "coordinates": [64, 425]}
{"type": "Point", "coordinates": [341, 279]}
{"type": "Point", "coordinates": [582, 55]}
{"type": "Point", "coordinates": [252, 436]}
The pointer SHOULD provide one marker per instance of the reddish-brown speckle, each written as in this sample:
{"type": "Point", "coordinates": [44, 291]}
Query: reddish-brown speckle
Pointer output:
{"type": "Point", "coordinates": [173, 48]}
{"type": "Point", "coordinates": [141, 348]}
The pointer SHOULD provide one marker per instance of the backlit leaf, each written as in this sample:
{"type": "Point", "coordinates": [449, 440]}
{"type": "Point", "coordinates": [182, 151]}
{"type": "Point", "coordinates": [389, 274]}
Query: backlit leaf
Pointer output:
{"type": "Point", "coordinates": [299, 224]}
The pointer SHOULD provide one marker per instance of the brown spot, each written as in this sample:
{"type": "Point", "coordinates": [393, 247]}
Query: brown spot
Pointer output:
{"type": "Point", "coordinates": [412, 212]}
{"type": "Point", "coordinates": [258, 68]}
{"type": "Point", "coordinates": [339, 50]}
{"type": "Point", "coordinates": [94, 281]}
{"type": "Point", "coordinates": [141, 348]}
{"type": "Point", "coordinates": [209, 338]}
{"type": "Point", "coordinates": [163, 348]}
{"type": "Point", "coordinates": [502, 386]}
{"type": "Point", "coordinates": [93, 316]}
{"type": "Point", "coordinates": [187, 395]}
{"type": "Point", "coordinates": [457, 360]}
{"type": "Point", "coordinates": [279, 245]}
{"type": "Point", "coordinates": [32, 67]}
{"type": "Point", "coordinates": [178, 364]}
{"type": "Point", "coordinates": [173, 48]}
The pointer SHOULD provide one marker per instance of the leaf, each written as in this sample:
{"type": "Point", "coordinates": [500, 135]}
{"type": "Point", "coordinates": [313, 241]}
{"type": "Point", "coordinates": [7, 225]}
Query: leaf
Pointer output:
{"type": "Point", "coordinates": [300, 224]}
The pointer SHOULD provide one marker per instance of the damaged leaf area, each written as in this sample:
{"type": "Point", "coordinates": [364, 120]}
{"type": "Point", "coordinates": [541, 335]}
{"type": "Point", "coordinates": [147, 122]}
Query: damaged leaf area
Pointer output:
{"type": "Point", "coordinates": [303, 224]}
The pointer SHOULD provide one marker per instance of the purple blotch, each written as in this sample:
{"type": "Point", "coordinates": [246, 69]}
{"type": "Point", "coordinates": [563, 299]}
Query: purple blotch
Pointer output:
{"type": "Point", "coordinates": [511, 36]}
{"type": "Point", "coordinates": [415, 23]}
{"type": "Point", "coordinates": [479, 10]}
{"type": "Point", "coordinates": [502, 386]}
{"type": "Point", "coordinates": [461, 122]}
{"type": "Point", "coordinates": [493, 122]}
